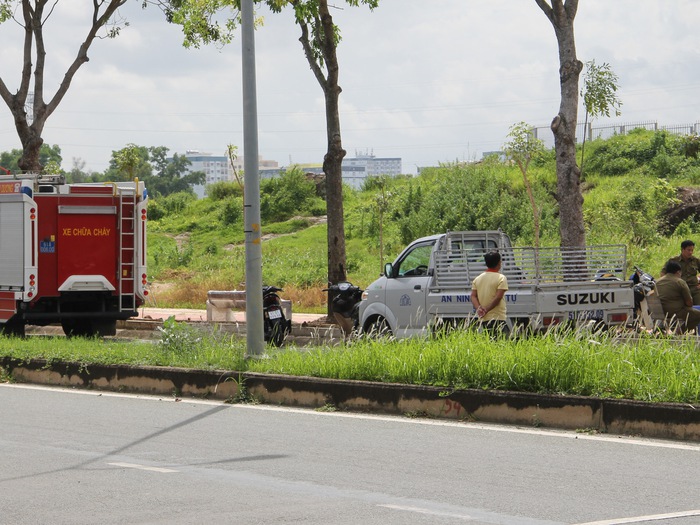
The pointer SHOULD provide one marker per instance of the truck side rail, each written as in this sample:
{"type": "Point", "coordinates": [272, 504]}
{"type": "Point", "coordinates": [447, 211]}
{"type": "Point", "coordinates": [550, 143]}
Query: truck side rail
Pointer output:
{"type": "Point", "coordinates": [456, 269]}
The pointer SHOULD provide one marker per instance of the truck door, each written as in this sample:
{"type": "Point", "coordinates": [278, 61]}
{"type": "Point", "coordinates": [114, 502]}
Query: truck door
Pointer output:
{"type": "Point", "coordinates": [406, 292]}
{"type": "Point", "coordinates": [88, 244]}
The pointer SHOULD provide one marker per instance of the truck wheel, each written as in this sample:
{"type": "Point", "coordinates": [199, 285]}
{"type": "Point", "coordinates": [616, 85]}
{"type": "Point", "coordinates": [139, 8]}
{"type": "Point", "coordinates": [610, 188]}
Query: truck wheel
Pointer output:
{"type": "Point", "coordinates": [12, 328]}
{"type": "Point", "coordinates": [77, 327]}
{"type": "Point", "coordinates": [379, 328]}
{"type": "Point", "coordinates": [104, 328]}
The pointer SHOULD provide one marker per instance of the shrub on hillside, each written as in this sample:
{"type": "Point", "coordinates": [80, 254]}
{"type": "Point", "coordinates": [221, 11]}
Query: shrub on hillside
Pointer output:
{"type": "Point", "coordinates": [659, 153]}
{"type": "Point", "coordinates": [231, 211]}
{"type": "Point", "coordinates": [463, 197]}
{"type": "Point", "coordinates": [288, 195]}
{"type": "Point", "coordinates": [177, 202]}
{"type": "Point", "coordinates": [222, 190]}
{"type": "Point", "coordinates": [155, 210]}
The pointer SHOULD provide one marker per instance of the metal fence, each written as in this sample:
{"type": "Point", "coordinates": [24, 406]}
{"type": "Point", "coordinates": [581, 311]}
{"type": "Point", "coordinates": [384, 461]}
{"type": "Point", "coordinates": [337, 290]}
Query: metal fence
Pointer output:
{"type": "Point", "coordinates": [591, 132]}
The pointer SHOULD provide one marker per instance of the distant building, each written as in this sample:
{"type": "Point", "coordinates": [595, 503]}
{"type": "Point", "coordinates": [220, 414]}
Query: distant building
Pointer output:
{"type": "Point", "coordinates": [271, 173]}
{"type": "Point", "coordinates": [218, 168]}
{"type": "Point", "coordinates": [357, 169]}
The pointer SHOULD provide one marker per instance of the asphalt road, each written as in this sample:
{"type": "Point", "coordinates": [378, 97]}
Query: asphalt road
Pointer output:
{"type": "Point", "coordinates": [74, 457]}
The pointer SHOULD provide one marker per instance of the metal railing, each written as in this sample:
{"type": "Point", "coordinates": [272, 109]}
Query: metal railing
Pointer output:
{"type": "Point", "coordinates": [533, 266]}
{"type": "Point", "coordinates": [591, 132]}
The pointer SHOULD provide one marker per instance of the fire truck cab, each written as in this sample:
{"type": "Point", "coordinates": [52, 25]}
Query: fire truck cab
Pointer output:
{"type": "Point", "coordinates": [73, 254]}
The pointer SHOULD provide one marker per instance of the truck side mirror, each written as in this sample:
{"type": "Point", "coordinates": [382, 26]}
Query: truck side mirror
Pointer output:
{"type": "Point", "coordinates": [388, 270]}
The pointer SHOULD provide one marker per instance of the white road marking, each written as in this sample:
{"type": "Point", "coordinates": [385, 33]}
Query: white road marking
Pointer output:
{"type": "Point", "coordinates": [642, 519]}
{"type": "Point", "coordinates": [429, 512]}
{"type": "Point", "coordinates": [143, 467]}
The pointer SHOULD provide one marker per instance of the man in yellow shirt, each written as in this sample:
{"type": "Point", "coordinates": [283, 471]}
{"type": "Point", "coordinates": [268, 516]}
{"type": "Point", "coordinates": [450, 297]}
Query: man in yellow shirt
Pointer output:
{"type": "Point", "coordinates": [488, 295]}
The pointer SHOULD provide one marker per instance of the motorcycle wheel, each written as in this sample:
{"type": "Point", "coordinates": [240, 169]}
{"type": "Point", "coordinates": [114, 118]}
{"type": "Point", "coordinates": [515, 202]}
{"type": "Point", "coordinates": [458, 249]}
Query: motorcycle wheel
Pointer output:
{"type": "Point", "coordinates": [277, 332]}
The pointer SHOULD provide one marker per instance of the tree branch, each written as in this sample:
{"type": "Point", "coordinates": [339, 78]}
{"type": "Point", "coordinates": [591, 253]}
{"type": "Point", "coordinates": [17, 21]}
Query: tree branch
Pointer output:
{"type": "Point", "coordinates": [308, 51]}
{"type": "Point", "coordinates": [546, 9]}
{"type": "Point", "coordinates": [98, 21]}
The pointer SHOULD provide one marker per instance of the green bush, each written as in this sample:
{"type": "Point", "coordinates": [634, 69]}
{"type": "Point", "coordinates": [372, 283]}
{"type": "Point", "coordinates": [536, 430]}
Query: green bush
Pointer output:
{"type": "Point", "coordinates": [155, 210]}
{"type": "Point", "coordinates": [288, 195]}
{"type": "Point", "coordinates": [232, 210]}
{"type": "Point", "coordinates": [219, 191]}
{"type": "Point", "coordinates": [177, 202]}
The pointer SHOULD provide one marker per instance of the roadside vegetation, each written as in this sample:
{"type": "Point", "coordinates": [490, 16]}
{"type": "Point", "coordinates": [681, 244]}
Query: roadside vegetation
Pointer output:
{"type": "Point", "coordinates": [560, 362]}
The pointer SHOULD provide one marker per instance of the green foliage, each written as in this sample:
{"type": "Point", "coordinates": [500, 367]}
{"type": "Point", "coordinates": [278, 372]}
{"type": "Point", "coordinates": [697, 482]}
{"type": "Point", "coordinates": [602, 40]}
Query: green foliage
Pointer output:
{"type": "Point", "coordinates": [232, 211]}
{"type": "Point", "coordinates": [162, 175]}
{"type": "Point", "coordinates": [283, 197]}
{"type": "Point", "coordinates": [599, 90]}
{"type": "Point", "coordinates": [627, 209]}
{"type": "Point", "coordinates": [5, 10]}
{"type": "Point", "coordinates": [556, 363]}
{"type": "Point", "coordinates": [155, 210]}
{"type": "Point", "coordinates": [522, 145]}
{"type": "Point", "coordinates": [219, 191]}
{"type": "Point", "coordinates": [177, 202]}
{"type": "Point", "coordinates": [48, 156]}
{"type": "Point", "coordinates": [482, 196]}
{"type": "Point", "coordinates": [130, 162]}
{"type": "Point", "coordinates": [178, 338]}
{"type": "Point", "coordinates": [172, 175]}
{"type": "Point", "coordinates": [657, 153]}
{"type": "Point", "coordinates": [651, 369]}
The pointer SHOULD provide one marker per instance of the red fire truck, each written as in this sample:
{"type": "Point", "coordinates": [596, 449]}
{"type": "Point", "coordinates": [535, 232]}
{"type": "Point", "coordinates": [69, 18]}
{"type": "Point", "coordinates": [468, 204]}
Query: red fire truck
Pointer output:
{"type": "Point", "coordinates": [73, 254]}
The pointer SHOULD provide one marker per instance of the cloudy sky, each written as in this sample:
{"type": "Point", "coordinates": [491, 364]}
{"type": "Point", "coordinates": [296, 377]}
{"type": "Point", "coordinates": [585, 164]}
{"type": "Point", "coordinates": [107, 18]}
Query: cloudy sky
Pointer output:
{"type": "Point", "coordinates": [425, 81]}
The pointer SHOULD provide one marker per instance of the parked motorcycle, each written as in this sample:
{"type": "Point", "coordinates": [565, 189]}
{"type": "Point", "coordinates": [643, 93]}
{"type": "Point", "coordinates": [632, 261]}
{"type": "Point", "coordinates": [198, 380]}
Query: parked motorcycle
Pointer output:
{"type": "Point", "coordinates": [276, 325]}
{"type": "Point", "coordinates": [644, 284]}
{"type": "Point", "coordinates": [345, 305]}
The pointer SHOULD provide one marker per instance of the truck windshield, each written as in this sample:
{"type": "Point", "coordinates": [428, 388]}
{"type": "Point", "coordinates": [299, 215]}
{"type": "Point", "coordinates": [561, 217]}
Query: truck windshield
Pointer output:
{"type": "Point", "coordinates": [416, 261]}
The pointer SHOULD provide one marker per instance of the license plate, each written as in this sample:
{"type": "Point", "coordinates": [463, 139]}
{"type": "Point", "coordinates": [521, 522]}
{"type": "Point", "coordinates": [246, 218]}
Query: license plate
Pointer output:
{"type": "Point", "coordinates": [586, 315]}
{"type": "Point", "coordinates": [274, 314]}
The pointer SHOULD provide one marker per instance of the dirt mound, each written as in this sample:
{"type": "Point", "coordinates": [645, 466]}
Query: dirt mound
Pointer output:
{"type": "Point", "coordinates": [688, 206]}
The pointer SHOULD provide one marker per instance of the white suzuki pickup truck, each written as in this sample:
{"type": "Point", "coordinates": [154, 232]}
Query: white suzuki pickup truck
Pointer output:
{"type": "Point", "coordinates": [429, 283]}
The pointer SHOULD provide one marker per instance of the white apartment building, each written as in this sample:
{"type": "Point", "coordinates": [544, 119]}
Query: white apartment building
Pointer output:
{"type": "Point", "coordinates": [218, 168]}
{"type": "Point", "coordinates": [356, 169]}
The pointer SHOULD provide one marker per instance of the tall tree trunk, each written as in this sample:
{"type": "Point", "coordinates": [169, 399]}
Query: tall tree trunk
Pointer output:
{"type": "Point", "coordinates": [332, 161]}
{"type": "Point", "coordinates": [571, 227]}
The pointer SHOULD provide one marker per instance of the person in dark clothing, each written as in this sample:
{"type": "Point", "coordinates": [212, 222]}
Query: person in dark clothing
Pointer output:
{"type": "Point", "coordinates": [675, 296]}
{"type": "Point", "coordinates": [690, 267]}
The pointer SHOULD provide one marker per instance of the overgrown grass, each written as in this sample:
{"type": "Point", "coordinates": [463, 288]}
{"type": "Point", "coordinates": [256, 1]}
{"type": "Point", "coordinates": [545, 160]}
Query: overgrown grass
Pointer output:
{"type": "Point", "coordinates": [644, 368]}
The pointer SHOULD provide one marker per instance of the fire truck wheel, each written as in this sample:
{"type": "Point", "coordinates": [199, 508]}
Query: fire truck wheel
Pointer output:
{"type": "Point", "coordinates": [105, 328]}
{"type": "Point", "coordinates": [12, 328]}
{"type": "Point", "coordinates": [77, 327]}
{"type": "Point", "coordinates": [89, 327]}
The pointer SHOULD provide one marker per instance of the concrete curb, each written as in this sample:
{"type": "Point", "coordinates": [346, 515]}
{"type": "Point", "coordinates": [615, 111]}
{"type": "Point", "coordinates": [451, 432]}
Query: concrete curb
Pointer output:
{"type": "Point", "coordinates": [657, 420]}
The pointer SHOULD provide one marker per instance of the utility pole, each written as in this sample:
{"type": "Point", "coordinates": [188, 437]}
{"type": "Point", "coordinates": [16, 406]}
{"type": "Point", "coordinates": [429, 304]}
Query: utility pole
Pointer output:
{"type": "Point", "coordinates": [251, 192]}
